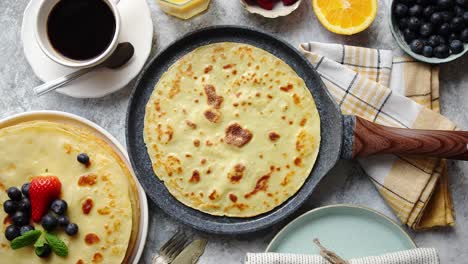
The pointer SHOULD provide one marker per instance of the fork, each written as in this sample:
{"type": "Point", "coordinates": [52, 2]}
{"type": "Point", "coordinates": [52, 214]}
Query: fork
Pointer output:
{"type": "Point", "coordinates": [171, 249]}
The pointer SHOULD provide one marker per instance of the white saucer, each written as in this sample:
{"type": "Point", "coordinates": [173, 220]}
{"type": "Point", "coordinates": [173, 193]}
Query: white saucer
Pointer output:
{"type": "Point", "coordinates": [137, 28]}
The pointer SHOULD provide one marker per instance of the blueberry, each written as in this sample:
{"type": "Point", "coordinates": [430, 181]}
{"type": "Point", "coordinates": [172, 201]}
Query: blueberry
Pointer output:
{"type": "Point", "coordinates": [403, 23]}
{"type": "Point", "coordinates": [417, 46]}
{"type": "Point", "coordinates": [457, 24]}
{"type": "Point", "coordinates": [428, 11]}
{"type": "Point", "coordinates": [459, 11]}
{"type": "Point", "coordinates": [415, 11]}
{"type": "Point", "coordinates": [444, 29]}
{"type": "Point", "coordinates": [442, 51]}
{"type": "Point", "coordinates": [414, 24]}
{"type": "Point", "coordinates": [63, 220]}
{"type": "Point", "coordinates": [452, 36]}
{"type": "Point", "coordinates": [465, 17]}
{"type": "Point", "coordinates": [456, 46]}
{"type": "Point", "coordinates": [26, 228]}
{"type": "Point", "coordinates": [24, 205]}
{"type": "Point", "coordinates": [11, 232]}
{"type": "Point", "coordinates": [409, 35]}
{"type": "Point", "coordinates": [435, 40]}
{"type": "Point", "coordinates": [44, 251]}
{"type": "Point", "coordinates": [425, 30]}
{"type": "Point", "coordinates": [14, 193]}
{"type": "Point", "coordinates": [71, 229]}
{"type": "Point", "coordinates": [464, 35]}
{"type": "Point", "coordinates": [437, 19]}
{"type": "Point", "coordinates": [427, 51]}
{"type": "Point", "coordinates": [400, 10]}
{"type": "Point", "coordinates": [447, 16]}
{"type": "Point", "coordinates": [59, 206]}
{"type": "Point", "coordinates": [445, 3]}
{"type": "Point", "coordinates": [9, 207]}
{"type": "Point", "coordinates": [83, 158]}
{"type": "Point", "coordinates": [25, 189]}
{"type": "Point", "coordinates": [49, 222]}
{"type": "Point", "coordinates": [20, 218]}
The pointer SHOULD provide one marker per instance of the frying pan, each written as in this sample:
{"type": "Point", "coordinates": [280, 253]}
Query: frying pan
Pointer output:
{"type": "Point", "coordinates": [341, 136]}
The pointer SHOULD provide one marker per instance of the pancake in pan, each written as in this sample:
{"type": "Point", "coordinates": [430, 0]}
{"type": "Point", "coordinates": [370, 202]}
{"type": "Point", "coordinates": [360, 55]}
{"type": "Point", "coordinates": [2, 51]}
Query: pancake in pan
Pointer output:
{"type": "Point", "coordinates": [232, 130]}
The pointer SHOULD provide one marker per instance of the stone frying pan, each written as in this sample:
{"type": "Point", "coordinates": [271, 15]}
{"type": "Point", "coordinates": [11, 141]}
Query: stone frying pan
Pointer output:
{"type": "Point", "coordinates": [342, 136]}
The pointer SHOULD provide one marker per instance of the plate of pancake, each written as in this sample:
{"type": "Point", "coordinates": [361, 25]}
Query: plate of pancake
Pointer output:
{"type": "Point", "coordinates": [47, 143]}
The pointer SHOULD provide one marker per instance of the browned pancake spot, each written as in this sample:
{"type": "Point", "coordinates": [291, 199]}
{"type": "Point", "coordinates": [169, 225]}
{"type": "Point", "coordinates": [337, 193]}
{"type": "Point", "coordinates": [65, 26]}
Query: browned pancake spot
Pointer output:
{"type": "Point", "coordinates": [87, 180]}
{"type": "Point", "coordinates": [208, 69]}
{"type": "Point", "coordinates": [262, 185]}
{"type": "Point", "coordinates": [213, 195]}
{"type": "Point", "coordinates": [212, 115]}
{"type": "Point", "coordinates": [228, 66]}
{"type": "Point", "coordinates": [97, 258]}
{"type": "Point", "coordinates": [237, 173]}
{"type": "Point", "coordinates": [191, 124]}
{"type": "Point", "coordinates": [233, 197]}
{"type": "Point", "coordinates": [86, 206]}
{"type": "Point", "coordinates": [203, 161]}
{"type": "Point", "coordinates": [303, 122]}
{"type": "Point", "coordinates": [104, 211]}
{"type": "Point", "coordinates": [296, 99]}
{"type": "Point", "coordinates": [237, 136]}
{"type": "Point", "coordinates": [195, 177]}
{"type": "Point", "coordinates": [7, 220]}
{"type": "Point", "coordinates": [91, 239]}
{"type": "Point", "coordinates": [212, 98]}
{"type": "Point", "coordinates": [273, 136]}
{"type": "Point", "coordinates": [196, 143]}
{"type": "Point", "coordinates": [297, 161]}
{"type": "Point", "coordinates": [80, 261]}
{"type": "Point", "coordinates": [286, 88]}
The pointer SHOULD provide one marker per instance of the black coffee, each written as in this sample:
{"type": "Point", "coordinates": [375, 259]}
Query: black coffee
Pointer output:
{"type": "Point", "coordinates": [81, 29]}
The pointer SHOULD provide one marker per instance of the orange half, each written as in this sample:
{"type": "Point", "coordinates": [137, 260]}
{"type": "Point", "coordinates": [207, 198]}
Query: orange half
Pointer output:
{"type": "Point", "coordinates": [345, 17]}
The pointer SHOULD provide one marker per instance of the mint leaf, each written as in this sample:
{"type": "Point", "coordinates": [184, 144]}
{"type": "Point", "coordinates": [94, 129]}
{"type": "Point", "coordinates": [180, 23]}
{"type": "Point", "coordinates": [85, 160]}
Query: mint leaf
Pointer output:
{"type": "Point", "coordinates": [40, 241]}
{"type": "Point", "coordinates": [58, 246]}
{"type": "Point", "coordinates": [26, 239]}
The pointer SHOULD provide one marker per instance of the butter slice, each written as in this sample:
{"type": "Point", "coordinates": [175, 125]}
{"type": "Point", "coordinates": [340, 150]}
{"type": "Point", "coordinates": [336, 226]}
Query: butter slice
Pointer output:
{"type": "Point", "coordinates": [184, 9]}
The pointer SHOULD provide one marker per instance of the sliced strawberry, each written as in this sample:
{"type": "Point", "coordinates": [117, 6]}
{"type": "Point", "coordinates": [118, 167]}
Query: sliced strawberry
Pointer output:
{"type": "Point", "coordinates": [266, 4]}
{"type": "Point", "coordinates": [289, 2]}
{"type": "Point", "coordinates": [42, 190]}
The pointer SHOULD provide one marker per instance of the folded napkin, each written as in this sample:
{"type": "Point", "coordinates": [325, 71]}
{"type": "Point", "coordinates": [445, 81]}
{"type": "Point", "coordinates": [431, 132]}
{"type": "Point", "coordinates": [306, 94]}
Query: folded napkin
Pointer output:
{"type": "Point", "coordinates": [398, 92]}
{"type": "Point", "coordinates": [414, 256]}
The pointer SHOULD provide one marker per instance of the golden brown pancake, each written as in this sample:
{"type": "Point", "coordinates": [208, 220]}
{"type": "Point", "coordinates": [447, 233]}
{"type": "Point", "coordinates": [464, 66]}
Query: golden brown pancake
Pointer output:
{"type": "Point", "coordinates": [100, 196]}
{"type": "Point", "coordinates": [232, 130]}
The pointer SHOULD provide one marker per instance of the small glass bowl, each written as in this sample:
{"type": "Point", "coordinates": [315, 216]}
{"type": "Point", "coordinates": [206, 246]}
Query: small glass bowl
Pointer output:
{"type": "Point", "coordinates": [184, 9]}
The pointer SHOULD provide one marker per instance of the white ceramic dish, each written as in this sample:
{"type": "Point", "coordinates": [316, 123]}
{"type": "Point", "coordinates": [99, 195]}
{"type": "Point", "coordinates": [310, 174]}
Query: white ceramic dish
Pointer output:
{"type": "Point", "coordinates": [278, 11]}
{"type": "Point", "coordinates": [106, 136]}
{"type": "Point", "coordinates": [136, 28]}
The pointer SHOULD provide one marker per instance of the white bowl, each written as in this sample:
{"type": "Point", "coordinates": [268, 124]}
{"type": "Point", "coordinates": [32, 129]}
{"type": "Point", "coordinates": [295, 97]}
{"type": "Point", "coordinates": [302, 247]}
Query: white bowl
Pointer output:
{"type": "Point", "coordinates": [278, 11]}
{"type": "Point", "coordinates": [100, 132]}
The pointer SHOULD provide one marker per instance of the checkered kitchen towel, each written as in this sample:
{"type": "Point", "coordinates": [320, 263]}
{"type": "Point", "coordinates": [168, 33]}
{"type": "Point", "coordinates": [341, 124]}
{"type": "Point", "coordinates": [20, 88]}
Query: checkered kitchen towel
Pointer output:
{"type": "Point", "coordinates": [413, 256]}
{"type": "Point", "coordinates": [397, 92]}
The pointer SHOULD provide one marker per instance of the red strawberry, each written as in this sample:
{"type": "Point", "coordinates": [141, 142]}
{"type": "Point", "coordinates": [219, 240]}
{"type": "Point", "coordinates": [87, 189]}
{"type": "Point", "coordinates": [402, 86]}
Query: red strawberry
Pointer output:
{"type": "Point", "coordinates": [42, 191]}
{"type": "Point", "coordinates": [266, 4]}
{"type": "Point", "coordinates": [289, 2]}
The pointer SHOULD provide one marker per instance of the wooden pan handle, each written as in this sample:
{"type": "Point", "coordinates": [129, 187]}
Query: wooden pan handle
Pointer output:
{"type": "Point", "coordinates": [365, 138]}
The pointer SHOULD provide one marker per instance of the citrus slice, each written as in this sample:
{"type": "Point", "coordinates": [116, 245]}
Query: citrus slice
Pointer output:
{"type": "Point", "coordinates": [345, 17]}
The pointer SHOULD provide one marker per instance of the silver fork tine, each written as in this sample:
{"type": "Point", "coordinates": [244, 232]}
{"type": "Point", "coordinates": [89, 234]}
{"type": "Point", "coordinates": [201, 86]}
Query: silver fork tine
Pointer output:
{"type": "Point", "coordinates": [177, 248]}
{"type": "Point", "coordinates": [170, 242]}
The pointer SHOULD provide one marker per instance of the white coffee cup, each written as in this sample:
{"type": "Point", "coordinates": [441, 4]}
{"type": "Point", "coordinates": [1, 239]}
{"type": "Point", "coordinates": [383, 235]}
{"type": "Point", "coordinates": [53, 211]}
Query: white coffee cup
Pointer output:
{"type": "Point", "coordinates": [42, 38]}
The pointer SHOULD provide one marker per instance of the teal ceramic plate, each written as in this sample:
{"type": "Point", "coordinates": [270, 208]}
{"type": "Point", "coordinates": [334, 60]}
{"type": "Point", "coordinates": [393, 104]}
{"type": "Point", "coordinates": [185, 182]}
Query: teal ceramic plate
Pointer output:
{"type": "Point", "coordinates": [350, 231]}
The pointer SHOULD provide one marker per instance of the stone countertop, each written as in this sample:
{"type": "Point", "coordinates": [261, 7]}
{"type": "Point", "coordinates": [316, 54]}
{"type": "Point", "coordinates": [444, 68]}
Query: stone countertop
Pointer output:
{"type": "Point", "coordinates": [344, 184]}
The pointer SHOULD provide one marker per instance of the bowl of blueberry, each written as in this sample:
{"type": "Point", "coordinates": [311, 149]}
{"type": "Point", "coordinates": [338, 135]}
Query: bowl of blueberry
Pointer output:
{"type": "Point", "coordinates": [432, 31]}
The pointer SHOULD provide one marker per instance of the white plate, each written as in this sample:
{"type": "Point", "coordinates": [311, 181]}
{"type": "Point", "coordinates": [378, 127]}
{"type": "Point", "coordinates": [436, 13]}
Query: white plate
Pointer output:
{"type": "Point", "coordinates": [136, 28]}
{"type": "Point", "coordinates": [106, 136]}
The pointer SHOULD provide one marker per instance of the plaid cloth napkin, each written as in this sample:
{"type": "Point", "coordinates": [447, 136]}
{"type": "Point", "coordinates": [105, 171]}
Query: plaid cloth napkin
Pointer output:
{"type": "Point", "coordinates": [398, 92]}
{"type": "Point", "coordinates": [413, 256]}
